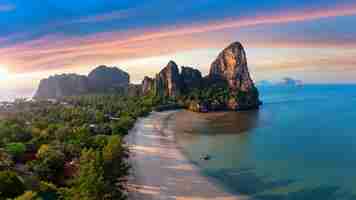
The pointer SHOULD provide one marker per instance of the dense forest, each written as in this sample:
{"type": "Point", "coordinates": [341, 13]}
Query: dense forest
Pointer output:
{"type": "Point", "coordinates": [71, 148]}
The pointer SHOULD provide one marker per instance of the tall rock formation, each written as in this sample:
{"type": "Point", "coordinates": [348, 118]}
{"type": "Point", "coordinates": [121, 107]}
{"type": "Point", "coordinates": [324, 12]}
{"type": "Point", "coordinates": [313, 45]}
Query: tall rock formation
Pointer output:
{"type": "Point", "coordinates": [101, 80]}
{"type": "Point", "coordinates": [231, 65]}
{"type": "Point", "coordinates": [134, 90]}
{"type": "Point", "coordinates": [106, 79]}
{"type": "Point", "coordinates": [148, 85]}
{"type": "Point", "coordinates": [191, 78]}
{"type": "Point", "coordinates": [62, 85]}
{"type": "Point", "coordinates": [168, 81]}
{"type": "Point", "coordinates": [227, 87]}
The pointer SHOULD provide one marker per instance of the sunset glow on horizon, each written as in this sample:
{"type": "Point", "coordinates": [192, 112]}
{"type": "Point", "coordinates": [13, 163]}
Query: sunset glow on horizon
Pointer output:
{"type": "Point", "coordinates": [314, 42]}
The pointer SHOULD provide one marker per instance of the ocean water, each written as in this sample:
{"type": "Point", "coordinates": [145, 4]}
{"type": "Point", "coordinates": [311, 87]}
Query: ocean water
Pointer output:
{"type": "Point", "coordinates": [300, 145]}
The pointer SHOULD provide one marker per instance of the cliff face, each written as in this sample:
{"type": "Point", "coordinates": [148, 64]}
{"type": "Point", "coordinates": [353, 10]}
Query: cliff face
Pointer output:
{"type": "Point", "coordinates": [62, 85]}
{"type": "Point", "coordinates": [191, 78]}
{"type": "Point", "coordinates": [231, 65]}
{"type": "Point", "coordinates": [105, 78]}
{"type": "Point", "coordinates": [227, 87]}
{"type": "Point", "coordinates": [168, 82]}
{"type": "Point", "coordinates": [134, 90]}
{"type": "Point", "coordinates": [148, 85]}
{"type": "Point", "coordinates": [102, 79]}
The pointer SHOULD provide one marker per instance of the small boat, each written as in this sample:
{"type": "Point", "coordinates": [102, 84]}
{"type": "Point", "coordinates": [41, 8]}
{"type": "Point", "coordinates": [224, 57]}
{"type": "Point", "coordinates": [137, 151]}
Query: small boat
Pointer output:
{"type": "Point", "coordinates": [205, 157]}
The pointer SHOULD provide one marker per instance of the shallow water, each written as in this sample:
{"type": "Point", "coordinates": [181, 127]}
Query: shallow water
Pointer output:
{"type": "Point", "coordinates": [300, 145]}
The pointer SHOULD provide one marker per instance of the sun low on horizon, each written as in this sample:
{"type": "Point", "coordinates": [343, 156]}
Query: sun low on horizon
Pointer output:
{"type": "Point", "coordinates": [4, 74]}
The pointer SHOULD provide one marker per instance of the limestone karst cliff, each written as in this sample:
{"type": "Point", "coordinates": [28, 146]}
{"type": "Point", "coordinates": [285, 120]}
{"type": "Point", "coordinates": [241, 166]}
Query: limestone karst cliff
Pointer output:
{"type": "Point", "coordinates": [102, 79]}
{"type": "Point", "coordinates": [168, 81]}
{"type": "Point", "coordinates": [148, 85]}
{"type": "Point", "coordinates": [106, 79]}
{"type": "Point", "coordinates": [191, 78]}
{"type": "Point", "coordinates": [228, 86]}
{"type": "Point", "coordinates": [62, 85]}
{"type": "Point", "coordinates": [231, 65]}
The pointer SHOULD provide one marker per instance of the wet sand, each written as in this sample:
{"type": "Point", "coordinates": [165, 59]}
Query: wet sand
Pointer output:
{"type": "Point", "coordinates": [159, 169]}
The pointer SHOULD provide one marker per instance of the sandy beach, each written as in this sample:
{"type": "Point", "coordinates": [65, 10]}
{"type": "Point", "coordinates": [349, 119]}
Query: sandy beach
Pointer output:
{"type": "Point", "coordinates": [159, 169]}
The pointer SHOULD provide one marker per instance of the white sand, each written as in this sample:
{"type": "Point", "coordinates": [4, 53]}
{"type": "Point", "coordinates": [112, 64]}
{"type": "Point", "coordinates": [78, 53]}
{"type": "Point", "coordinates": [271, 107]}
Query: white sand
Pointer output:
{"type": "Point", "coordinates": [160, 171]}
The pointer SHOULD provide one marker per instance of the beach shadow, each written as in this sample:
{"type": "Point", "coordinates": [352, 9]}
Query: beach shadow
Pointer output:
{"type": "Point", "coordinates": [215, 123]}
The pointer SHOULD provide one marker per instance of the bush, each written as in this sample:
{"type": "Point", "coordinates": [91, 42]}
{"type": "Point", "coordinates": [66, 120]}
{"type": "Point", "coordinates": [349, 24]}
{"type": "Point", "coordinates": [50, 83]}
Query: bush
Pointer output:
{"type": "Point", "coordinates": [89, 184]}
{"type": "Point", "coordinates": [71, 150]}
{"type": "Point", "coordinates": [123, 125]}
{"type": "Point", "coordinates": [16, 149]}
{"type": "Point", "coordinates": [50, 163]}
{"type": "Point", "coordinates": [100, 141]}
{"type": "Point", "coordinates": [42, 151]}
{"type": "Point", "coordinates": [5, 161]}
{"type": "Point", "coordinates": [11, 131]}
{"type": "Point", "coordinates": [115, 166]}
{"type": "Point", "coordinates": [29, 195]}
{"type": "Point", "coordinates": [11, 185]}
{"type": "Point", "coordinates": [48, 190]}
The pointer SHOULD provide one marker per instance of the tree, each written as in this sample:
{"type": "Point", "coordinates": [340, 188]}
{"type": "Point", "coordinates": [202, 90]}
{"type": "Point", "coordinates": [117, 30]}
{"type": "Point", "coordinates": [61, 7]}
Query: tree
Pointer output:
{"type": "Point", "coordinates": [123, 125]}
{"type": "Point", "coordinates": [48, 190]}
{"type": "Point", "coordinates": [16, 150]}
{"type": "Point", "coordinates": [81, 136]}
{"type": "Point", "coordinates": [29, 195]}
{"type": "Point", "coordinates": [100, 141]}
{"type": "Point", "coordinates": [115, 167]}
{"type": "Point", "coordinates": [12, 131]}
{"type": "Point", "coordinates": [50, 163]}
{"type": "Point", "coordinates": [5, 161]}
{"type": "Point", "coordinates": [89, 184]}
{"type": "Point", "coordinates": [11, 185]}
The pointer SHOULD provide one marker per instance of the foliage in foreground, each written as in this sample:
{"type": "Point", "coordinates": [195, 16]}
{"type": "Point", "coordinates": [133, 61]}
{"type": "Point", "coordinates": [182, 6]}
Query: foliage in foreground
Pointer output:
{"type": "Point", "coordinates": [71, 149]}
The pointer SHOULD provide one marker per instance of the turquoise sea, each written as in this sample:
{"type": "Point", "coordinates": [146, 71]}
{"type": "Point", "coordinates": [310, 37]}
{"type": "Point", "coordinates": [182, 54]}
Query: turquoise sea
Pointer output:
{"type": "Point", "coordinates": [301, 144]}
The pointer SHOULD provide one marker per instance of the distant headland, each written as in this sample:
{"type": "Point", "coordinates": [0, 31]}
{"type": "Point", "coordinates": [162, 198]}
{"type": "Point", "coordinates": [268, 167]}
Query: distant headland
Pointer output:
{"type": "Point", "coordinates": [228, 86]}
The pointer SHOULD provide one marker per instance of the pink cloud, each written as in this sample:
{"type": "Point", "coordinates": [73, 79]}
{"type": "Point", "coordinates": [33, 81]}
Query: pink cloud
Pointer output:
{"type": "Point", "coordinates": [59, 51]}
{"type": "Point", "coordinates": [116, 15]}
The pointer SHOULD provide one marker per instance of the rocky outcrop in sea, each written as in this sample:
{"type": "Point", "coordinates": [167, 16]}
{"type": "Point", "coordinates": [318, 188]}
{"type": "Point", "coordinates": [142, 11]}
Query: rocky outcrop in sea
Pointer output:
{"type": "Point", "coordinates": [231, 65]}
{"type": "Point", "coordinates": [228, 86]}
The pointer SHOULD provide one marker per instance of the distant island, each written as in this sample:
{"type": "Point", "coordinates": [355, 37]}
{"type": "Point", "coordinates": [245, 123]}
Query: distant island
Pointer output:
{"type": "Point", "coordinates": [286, 81]}
{"type": "Point", "coordinates": [228, 86]}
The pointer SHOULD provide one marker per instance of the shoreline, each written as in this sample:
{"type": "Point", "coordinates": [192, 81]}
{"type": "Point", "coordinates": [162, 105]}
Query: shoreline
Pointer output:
{"type": "Point", "coordinates": [160, 171]}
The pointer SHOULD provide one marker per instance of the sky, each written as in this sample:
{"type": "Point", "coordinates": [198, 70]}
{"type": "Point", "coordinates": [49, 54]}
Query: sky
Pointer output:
{"type": "Point", "coordinates": [314, 41]}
